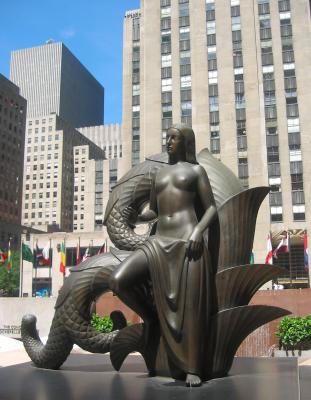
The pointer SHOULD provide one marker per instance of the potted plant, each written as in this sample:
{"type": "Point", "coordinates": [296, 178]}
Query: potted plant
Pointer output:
{"type": "Point", "coordinates": [101, 324]}
{"type": "Point", "coordinates": [294, 333]}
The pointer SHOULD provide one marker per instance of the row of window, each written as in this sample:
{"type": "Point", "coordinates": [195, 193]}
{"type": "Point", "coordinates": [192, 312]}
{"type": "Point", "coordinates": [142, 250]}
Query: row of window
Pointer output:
{"type": "Point", "coordinates": [212, 77]}
{"type": "Point", "coordinates": [135, 97]}
{"type": "Point", "coordinates": [43, 121]}
{"type": "Point", "coordinates": [166, 69]}
{"type": "Point", "coordinates": [44, 129]}
{"type": "Point", "coordinates": [270, 113]}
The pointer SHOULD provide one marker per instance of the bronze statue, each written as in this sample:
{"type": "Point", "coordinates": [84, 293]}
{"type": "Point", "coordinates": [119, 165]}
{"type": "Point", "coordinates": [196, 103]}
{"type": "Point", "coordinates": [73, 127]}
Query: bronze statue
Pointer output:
{"type": "Point", "coordinates": [175, 258]}
{"type": "Point", "coordinates": [189, 278]}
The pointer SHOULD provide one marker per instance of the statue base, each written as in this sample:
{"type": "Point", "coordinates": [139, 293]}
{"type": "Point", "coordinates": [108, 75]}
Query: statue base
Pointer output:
{"type": "Point", "coordinates": [91, 376]}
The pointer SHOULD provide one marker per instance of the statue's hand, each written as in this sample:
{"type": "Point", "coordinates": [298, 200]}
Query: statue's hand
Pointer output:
{"type": "Point", "coordinates": [131, 215]}
{"type": "Point", "coordinates": [195, 245]}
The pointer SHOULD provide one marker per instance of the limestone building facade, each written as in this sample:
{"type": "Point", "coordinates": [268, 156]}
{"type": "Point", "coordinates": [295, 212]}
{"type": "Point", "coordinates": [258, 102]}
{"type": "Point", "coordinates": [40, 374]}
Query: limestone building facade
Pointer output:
{"type": "Point", "coordinates": [49, 179]}
{"type": "Point", "coordinates": [238, 72]}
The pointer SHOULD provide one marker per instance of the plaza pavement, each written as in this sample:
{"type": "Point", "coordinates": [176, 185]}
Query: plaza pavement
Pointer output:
{"type": "Point", "coordinates": [12, 353]}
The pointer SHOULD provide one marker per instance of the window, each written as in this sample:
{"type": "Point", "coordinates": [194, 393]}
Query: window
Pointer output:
{"type": "Point", "coordinates": [166, 62]}
{"type": "Point", "coordinates": [276, 214]}
{"type": "Point", "coordinates": [236, 23]}
{"type": "Point", "coordinates": [273, 154]}
{"type": "Point", "coordinates": [166, 85]}
{"type": "Point", "coordinates": [165, 12]}
{"type": "Point", "coordinates": [185, 81]}
{"type": "Point", "coordinates": [263, 7]}
{"type": "Point", "coordinates": [293, 125]}
{"type": "Point", "coordinates": [295, 155]}
{"type": "Point", "coordinates": [212, 77]}
{"type": "Point", "coordinates": [186, 108]}
{"type": "Point", "coordinates": [299, 212]}
{"type": "Point", "coordinates": [184, 57]}
{"type": "Point", "coordinates": [297, 182]}
{"type": "Point", "coordinates": [211, 27]}
{"type": "Point", "coordinates": [213, 103]}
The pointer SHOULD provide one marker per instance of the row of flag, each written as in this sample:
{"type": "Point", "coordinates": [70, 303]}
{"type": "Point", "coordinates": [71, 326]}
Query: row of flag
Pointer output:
{"type": "Point", "coordinates": [41, 257]}
{"type": "Point", "coordinates": [87, 254]}
{"type": "Point", "coordinates": [284, 247]}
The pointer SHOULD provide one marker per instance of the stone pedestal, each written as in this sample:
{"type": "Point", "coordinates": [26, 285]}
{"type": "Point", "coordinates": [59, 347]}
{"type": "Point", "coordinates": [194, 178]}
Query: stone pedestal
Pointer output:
{"type": "Point", "coordinates": [91, 377]}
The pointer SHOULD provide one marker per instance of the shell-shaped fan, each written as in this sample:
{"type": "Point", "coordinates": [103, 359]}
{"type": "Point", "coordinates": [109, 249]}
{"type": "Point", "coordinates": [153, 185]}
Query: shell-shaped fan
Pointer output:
{"type": "Point", "coordinates": [237, 285]}
{"type": "Point", "coordinates": [230, 327]}
{"type": "Point", "coordinates": [237, 219]}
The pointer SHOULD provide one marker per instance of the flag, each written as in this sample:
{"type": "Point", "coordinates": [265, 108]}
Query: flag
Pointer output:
{"type": "Point", "coordinates": [102, 249]}
{"type": "Point", "coordinates": [78, 257]}
{"type": "Point", "coordinates": [283, 246]}
{"type": "Point", "coordinates": [62, 265]}
{"type": "Point", "coordinates": [9, 257]}
{"type": "Point", "coordinates": [46, 255]}
{"type": "Point", "coordinates": [86, 254]}
{"type": "Point", "coordinates": [3, 257]}
{"type": "Point", "coordinates": [252, 258]}
{"type": "Point", "coordinates": [305, 251]}
{"type": "Point", "coordinates": [27, 253]}
{"type": "Point", "coordinates": [40, 256]}
{"type": "Point", "coordinates": [269, 258]}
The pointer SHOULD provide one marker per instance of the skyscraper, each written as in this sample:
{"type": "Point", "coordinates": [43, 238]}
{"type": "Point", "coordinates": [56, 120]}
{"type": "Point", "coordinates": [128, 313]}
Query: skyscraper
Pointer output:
{"type": "Point", "coordinates": [49, 184]}
{"type": "Point", "coordinates": [62, 95]}
{"type": "Point", "coordinates": [12, 138]}
{"type": "Point", "coordinates": [237, 71]}
{"type": "Point", "coordinates": [53, 80]}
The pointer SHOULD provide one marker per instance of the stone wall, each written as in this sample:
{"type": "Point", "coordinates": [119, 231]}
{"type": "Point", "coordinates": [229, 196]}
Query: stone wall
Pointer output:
{"type": "Point", "coordinates": [263, 339]}
{"type": "Point", "coordinates": [12, 310]}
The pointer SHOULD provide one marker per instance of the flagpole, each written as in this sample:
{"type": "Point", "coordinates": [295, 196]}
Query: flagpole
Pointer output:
{"type": "Point", "coordinates": [79, 252]}
{"type": "Point", "coordinates": [21, 271]}
{"type": "Point", "coordinates": [64, 273]}
{"type": "Point", "coordinates": [290, 260]}
{"type": "Point", "coordinates": [274, 280]}
{"type": "Point", "coordinates": [306, 249]}
{"type": "Point", "coordinates": [36, 267]}
{"type": "Point", "coordinates": [50, 267]}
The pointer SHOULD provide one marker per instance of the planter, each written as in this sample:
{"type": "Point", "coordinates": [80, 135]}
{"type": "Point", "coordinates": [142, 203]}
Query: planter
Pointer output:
{"type": "Point", "coordinates": [292, 353]}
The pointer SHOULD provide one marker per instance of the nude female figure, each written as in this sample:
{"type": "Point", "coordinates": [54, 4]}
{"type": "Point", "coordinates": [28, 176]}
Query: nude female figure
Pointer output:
{"type": "Point", "coordinates": [175, 258]}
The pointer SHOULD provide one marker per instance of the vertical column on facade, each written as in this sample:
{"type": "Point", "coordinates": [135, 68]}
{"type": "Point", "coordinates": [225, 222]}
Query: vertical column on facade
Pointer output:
{"type": "Point", "coordinates": [185, 63]}
{"type": "Point", "coordinates": [292, 112]}
{"type": "Point", "coordinates": [271, 123]}
{"type": "Point", "coordinates": [239, 90]}
{"type": "Point", "coordinates": [166, 68]}
{"type": "Point", "coordinates": [136, 90]}
{"type": "Point", "coordinates": [212, 77]}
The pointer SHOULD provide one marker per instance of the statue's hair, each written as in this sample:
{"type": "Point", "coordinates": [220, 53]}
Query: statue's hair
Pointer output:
{"type": "Point", "coordinates": [189, 139]}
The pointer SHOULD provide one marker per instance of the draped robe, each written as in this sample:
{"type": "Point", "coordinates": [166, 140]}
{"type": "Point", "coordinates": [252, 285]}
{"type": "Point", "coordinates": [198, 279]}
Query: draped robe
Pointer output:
{"type": "Point", "coordinates": [181, 290]}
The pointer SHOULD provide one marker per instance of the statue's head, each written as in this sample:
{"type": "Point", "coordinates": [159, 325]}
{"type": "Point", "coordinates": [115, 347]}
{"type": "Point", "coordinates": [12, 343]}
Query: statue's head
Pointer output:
{"type": "Point", "coordinates": [188, 139]}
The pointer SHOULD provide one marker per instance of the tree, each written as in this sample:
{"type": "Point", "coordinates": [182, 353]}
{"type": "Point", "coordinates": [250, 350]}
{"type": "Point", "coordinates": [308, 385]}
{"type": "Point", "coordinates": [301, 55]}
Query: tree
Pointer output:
{"type": "Point", "coordinates": [9, 281]}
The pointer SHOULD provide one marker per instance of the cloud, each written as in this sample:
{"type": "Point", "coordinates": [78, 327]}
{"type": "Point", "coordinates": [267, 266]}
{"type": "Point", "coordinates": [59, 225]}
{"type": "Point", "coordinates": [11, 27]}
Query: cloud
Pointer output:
{"type": "Point", "coordinates": [68, 33]}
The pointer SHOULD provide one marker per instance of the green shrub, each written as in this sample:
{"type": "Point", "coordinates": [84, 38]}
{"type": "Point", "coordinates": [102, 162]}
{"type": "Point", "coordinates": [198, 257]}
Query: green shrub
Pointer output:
{"type": "Point", "coordinates": [294, 332]}
{"type": "Point", "coordinates": [101, 324]}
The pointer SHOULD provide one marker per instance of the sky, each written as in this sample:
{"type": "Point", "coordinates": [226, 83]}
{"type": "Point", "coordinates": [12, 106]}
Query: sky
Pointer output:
{"type": "Point", "coordinates": [91, 29]}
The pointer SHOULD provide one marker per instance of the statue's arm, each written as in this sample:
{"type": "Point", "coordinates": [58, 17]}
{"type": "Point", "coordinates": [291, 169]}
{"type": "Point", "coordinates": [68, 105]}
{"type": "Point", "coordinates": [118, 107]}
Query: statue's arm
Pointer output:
{"type": "Point", "coordinates": [204, 191]}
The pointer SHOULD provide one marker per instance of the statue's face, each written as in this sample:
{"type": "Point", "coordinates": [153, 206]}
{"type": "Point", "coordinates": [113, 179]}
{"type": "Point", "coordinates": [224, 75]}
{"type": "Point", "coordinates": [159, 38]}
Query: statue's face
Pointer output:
{"type": "Point", "coordinates": [174, 142]}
